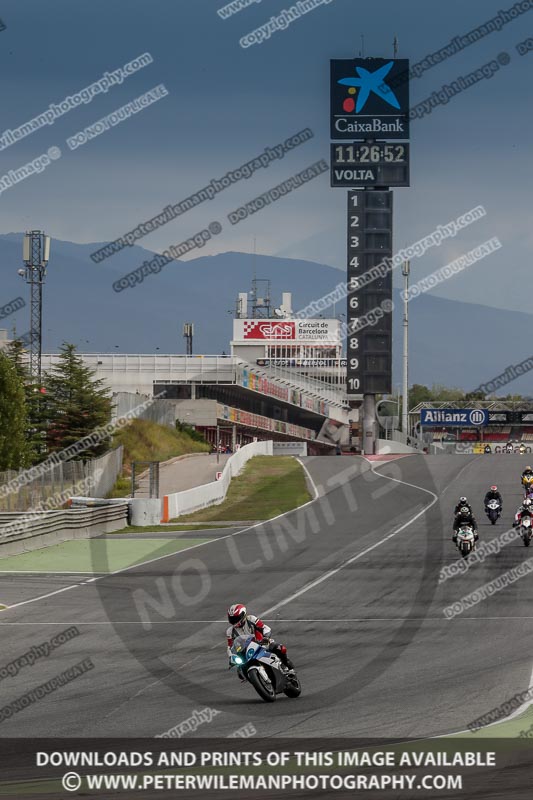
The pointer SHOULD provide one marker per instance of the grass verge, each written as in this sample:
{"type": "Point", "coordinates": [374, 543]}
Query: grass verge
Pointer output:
{"type": "Point", "coordinates": [167, 528]}
{"type": "Point", "coordinates": [94, 555]}
{"type": "Point", "coordinates": [147, 441]}
{"type": "Point", "coordinates": [268, 486]}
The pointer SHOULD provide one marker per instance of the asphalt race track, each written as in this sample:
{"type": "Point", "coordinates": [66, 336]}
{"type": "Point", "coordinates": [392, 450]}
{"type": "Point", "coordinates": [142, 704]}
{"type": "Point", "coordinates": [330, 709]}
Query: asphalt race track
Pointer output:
{"type": "Point", "coordinates": [350, 583]}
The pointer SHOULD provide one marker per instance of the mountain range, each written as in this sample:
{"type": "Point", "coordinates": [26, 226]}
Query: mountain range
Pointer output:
{"type": "Point", "coordinates": [450, 342]}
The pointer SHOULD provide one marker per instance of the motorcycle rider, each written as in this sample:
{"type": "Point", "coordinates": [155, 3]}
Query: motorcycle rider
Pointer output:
{"type": "Point", "coordinates": [461, 504]}
{"type": "Point", "coordinates": [493, 494]}
{"type": "Point", "coordinates": [525, 510]}
{"type": "Point", "coordinates": [242, 624]}
{"type": "Point", "coordinates": [527, 473]}
{"type": "Point", "coordinates": [464, 517]}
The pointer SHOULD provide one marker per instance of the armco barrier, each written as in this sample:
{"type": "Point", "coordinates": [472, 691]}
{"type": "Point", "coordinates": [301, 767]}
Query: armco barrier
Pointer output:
{"type": "Point", "coordinates": [478, 448]}
{"type": "Point", "coordinates": [289, 449]}
{"type": "Point", "coordinates": [21, 532]}
{"type": "Point", "coordinates": [209, 494]}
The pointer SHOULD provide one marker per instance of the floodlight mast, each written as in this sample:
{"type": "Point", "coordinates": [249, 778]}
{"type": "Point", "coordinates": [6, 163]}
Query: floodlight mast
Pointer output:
{"type": "Point", "coordinates": [35, 254]}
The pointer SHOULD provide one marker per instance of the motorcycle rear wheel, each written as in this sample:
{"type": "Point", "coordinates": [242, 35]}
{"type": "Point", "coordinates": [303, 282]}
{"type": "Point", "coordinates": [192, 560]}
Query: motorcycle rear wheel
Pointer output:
{"type": "Point", "coordinates": [293, 689]}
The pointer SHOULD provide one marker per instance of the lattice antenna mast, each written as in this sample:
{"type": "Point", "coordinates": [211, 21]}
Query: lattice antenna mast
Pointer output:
{"type": "Point", "coordinates": [35, 254]}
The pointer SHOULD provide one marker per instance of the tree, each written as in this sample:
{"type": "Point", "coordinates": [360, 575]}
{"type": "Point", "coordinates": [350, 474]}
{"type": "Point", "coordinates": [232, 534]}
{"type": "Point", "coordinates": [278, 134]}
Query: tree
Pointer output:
{"type": "Point", "coordinates": [440, 392]}
{"type": "Point", "coordinates": [16, 352]}
{"type": "Point", "coordinates": [76, 404]}
{"type": "Point", "coordinates": [14, 451]}
{"type": "Point", "coordinates": [419, 394]}
{"type": "Point", "coordinates": [36, 427]}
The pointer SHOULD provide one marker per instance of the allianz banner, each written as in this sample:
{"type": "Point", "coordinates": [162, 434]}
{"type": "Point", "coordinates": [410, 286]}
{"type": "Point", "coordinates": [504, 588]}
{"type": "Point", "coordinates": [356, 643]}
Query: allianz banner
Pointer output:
{"type": "Point", "coordinates": [460, 417]}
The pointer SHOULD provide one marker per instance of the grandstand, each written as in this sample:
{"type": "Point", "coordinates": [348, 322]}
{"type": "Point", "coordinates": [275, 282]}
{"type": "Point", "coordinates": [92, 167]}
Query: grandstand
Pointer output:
{"type": "Point", "coordinates": [510, 422]}
{"type": "Point", "coordinates": [229, 400]}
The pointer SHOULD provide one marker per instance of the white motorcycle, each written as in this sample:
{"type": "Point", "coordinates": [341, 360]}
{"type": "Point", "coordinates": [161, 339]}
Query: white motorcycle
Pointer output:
{"type": "Point", "coordinates": [466, 540]}
{"type": "Point", "coordinates": [263, 669]}
{"type": "Point", "coordinates": [493, 509]}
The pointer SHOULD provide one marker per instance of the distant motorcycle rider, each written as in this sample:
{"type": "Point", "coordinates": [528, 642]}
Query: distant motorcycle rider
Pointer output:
{"type": "Point", "coordinates": [464, 517]}
{"type": "Point", "coordinates": [527, 473]}
{"type": "Point", "coordinates": [493, 494]}
{"type": "Point", "coordinates": [525, 510]}
{"type": "Point", "coordinates": [461, 504]}
{"type": "Point", "coordinates": [242, 624]}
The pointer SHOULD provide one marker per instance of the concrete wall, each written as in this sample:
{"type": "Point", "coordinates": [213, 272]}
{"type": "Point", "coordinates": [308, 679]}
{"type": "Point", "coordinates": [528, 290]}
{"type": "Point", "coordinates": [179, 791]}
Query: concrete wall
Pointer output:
{"type": "Point", "coordinates": [160, 411]}
{"type": "Point", "coordinates": [384, 446]}
{"type": "Point", "coordinates": [248, 352]}
{"type": "Point", "coordinates": [196, 412]}
{"type": "Point", "coordinates": [209, 494]}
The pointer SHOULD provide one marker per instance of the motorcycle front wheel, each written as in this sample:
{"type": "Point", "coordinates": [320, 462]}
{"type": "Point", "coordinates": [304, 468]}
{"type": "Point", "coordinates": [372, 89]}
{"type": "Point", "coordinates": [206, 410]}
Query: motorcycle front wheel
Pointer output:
{"type": "Point", "coordinates": [264, 689]}
{"type": "Point", "coordinates": [526, 540]}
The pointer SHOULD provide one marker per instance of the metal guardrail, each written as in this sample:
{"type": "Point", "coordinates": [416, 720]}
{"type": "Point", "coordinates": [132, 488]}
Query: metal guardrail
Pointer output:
{"type": "Point", "coordinates": [47, 527]}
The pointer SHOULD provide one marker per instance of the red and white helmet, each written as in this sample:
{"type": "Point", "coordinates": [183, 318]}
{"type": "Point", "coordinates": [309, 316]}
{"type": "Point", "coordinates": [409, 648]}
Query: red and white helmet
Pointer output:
{"type": "Point", "coordinates": [237, 615]}
{"type": "Point", "coordinates": [494, 488]}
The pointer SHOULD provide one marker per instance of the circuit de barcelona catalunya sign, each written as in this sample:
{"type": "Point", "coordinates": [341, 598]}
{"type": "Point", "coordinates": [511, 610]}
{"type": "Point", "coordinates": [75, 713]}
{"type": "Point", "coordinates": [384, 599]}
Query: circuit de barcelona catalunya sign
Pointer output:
{"type": "Point", "coordinates": [369, 98]}
{"type": "Point", "coordinates": [444, 417]}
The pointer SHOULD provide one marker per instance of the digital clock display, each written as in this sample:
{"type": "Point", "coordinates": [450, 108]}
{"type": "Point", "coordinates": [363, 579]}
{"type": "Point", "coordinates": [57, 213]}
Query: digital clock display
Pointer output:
{"type": "Point", "coordinates": [383, 164]}
{"type": "Point", "coordinates": [365, 153]}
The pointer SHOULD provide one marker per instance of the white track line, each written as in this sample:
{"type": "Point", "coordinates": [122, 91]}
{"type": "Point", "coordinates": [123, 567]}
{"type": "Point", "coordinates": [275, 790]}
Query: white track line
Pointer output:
{"type": "Point", "coordinates": [238, 533]}
{"type": "Point", "coordinates": [364, 552]}
{"type": "Point", "coordinates": [46, 572]}
{"type": "Point", "coordinates": [516, 713]}
{"type": "Point", "coordinates": [313, 484]}
{"type": "Point", "coordinates": [153, 560]}
{"type": "Point", "coordinates": [525, 705]}
{"type": "Point", "coordinates": [460, 618]}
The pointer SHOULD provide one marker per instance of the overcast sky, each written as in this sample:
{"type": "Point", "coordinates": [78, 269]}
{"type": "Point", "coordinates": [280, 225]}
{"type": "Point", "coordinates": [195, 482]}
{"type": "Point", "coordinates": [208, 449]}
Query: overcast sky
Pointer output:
{"type": "Point", "coordinates": [226, 104]}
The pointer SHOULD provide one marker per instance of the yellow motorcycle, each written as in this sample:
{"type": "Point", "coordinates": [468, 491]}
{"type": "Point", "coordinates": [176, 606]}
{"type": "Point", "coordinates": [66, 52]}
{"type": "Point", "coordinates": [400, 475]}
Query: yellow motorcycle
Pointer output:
{"type": "Point", "coordinates": [527, 481]}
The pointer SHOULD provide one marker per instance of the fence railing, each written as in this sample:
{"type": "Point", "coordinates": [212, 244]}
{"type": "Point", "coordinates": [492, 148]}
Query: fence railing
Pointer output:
{"type": "Point", "coordinates": [62, 480]}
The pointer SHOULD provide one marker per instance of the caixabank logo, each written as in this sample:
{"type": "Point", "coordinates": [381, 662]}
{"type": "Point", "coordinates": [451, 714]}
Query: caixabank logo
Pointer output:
{"type": "Point", "coordinates": [369, 98]}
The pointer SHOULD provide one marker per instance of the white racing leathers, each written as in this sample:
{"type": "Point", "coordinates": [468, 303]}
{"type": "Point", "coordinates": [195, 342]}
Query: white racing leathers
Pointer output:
{"type": "Point", "coordinates": [251, 626]}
